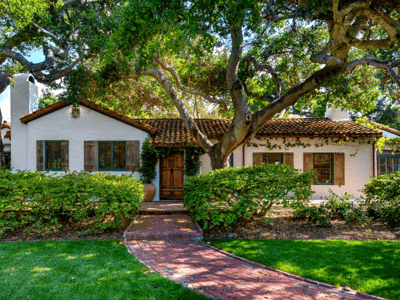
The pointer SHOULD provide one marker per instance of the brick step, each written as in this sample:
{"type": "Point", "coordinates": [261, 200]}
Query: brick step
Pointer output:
{"type": "Point", "coordinates": [163, 227]}
{"type": "Point", "coordinates": [162, 208]}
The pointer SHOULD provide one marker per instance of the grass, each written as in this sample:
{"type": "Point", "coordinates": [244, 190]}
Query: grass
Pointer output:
{"type": "Point", "coordinates": [371, 267]}
{"type": "Point", "coordinates": [80, 270]}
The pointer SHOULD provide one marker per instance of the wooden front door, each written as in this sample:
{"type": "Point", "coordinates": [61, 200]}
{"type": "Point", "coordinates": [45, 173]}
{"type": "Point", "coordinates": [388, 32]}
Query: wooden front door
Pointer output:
{"type": "Point", "coordinates": [171, 177]}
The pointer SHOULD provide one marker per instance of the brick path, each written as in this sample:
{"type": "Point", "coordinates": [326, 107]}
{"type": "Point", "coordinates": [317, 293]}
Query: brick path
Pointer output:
{"type": "Point", "coordinates": [218, 275]}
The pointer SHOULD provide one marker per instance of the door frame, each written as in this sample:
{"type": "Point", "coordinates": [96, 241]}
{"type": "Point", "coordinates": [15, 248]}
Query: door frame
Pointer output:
{"type": "Point", "coordinates": [183, 153]}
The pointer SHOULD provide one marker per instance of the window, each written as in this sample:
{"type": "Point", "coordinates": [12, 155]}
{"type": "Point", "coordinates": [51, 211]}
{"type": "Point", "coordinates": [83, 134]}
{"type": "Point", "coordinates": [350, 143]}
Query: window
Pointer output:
{"type": "Point", "coordinates": [231, 160]}
{"type": "Point", "coordinates": [272, 158]}
{"type": "Point", "coordinates": [323, 166]}
{"type": "Point", "coordinates": [112, 156]}
{"type": "Point", "coordinates": [388, 163]}
{"type": "Point", "coordinates": [52, 158]}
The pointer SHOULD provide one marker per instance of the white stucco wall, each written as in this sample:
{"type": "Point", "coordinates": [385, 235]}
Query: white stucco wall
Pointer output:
{"type": "Point", "coordinates": [358, 168]}
{"type": "Point", "coordinates": [90, 126]}
{"type": "Point", "coordinates": [24, 100]}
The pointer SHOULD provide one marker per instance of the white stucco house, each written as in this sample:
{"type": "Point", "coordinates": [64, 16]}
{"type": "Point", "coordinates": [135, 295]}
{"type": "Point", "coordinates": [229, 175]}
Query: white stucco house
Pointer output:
{"type": "Point", "coordinates": [89, 137]}
{"type": "Point", "coordinates": [388, 159]}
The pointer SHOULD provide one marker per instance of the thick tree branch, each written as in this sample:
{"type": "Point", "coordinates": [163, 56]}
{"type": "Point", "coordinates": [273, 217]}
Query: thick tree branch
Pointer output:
{"type": "Point", "coordinates": [190, 124]}
{"type": "Point", "coordinates": [31, 67]}
{"type": "Point", "coordinates": [270, 70]}
{"type": "Point", "coordinates": [52, 76]}
{"type": "Point", "coordinates": [310, 84]}
{"type": "Point", "coordinates": [372, 61]}
{"type": "Point", "coordinates": [183, 88]}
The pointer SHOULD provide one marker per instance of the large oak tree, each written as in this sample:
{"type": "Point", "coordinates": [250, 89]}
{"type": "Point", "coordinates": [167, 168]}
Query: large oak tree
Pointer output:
{"type": "Point", "coordinates": [275, 54]}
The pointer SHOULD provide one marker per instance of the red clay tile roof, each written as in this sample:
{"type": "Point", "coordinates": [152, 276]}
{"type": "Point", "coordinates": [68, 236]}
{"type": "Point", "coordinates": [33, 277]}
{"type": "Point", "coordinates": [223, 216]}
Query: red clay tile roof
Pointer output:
{"type": "Point", "coordinates": [385, 128]}
{"type": "Point", "coordinates": [105, 111]}
{"type": "Point", "coordinates": [5, 125]}
{"type": "Point", "coordinates": [8, 135]}
{"type": "Point", "coordinates": [172, 132]}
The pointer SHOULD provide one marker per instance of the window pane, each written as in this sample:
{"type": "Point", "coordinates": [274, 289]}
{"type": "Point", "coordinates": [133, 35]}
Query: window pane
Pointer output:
{"type": "Point", "coordinates": [231, 160]}
{"type": "Point", "coordinates": [53, 155]}
{"type": "Point", "coordinates": [104, 155]}
{"type": "Point", "coordinates": [323, 167]}
{"type": "Point", "coordinates": [270, 158]}
{"type": "Point", "coordinates": [119, 155]}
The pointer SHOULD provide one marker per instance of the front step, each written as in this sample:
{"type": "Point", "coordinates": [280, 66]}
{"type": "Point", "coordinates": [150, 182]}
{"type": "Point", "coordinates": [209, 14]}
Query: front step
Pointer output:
{"type": "Point", "coordinates": [163, 227]}
{"type": "Point", "coordinates": [162, 208]}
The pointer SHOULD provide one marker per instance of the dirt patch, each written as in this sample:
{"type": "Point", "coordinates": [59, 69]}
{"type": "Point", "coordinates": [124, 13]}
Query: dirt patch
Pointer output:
{"type": "Point", "coordinates": [68, 232]}
{"type": "Point", "coordinates": [285, 226]}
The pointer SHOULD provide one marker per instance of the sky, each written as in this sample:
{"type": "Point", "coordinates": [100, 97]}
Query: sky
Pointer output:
{"type": "Point", "coordinates": [5, 105]}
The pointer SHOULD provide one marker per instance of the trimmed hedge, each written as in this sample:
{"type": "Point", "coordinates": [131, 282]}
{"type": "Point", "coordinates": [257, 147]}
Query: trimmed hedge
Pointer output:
{"type": "Point", "coordinates": [44, 202]}
{"type": "Point", "coordinates": [234, 194]}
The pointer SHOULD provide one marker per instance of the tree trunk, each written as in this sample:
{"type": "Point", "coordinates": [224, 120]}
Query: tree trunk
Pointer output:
{"type": "Point", "coordinates": [2, 155]}
{"type": "Point", "coordinates": [218, 161]}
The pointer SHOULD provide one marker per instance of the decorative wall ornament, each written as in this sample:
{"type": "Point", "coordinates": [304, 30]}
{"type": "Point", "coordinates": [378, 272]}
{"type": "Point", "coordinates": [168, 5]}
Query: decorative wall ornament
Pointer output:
{"type": "Point", "coordinates": [75, 112]}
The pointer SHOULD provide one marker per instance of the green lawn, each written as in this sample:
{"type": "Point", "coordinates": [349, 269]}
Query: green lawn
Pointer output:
{"type": "Point", "coordinates": [80, 270]}
{"type": "Point", "coordinates": [367, 266]}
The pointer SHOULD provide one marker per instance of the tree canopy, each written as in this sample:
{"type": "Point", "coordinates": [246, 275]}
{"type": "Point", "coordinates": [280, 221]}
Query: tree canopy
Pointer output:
{"type": "Point", "coordinates": [249, 60]}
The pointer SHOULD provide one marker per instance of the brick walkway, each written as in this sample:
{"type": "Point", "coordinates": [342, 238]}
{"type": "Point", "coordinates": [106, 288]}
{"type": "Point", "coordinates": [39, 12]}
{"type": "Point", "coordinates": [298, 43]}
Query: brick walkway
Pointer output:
{"type": "Point", "coordinates": [218, 275]}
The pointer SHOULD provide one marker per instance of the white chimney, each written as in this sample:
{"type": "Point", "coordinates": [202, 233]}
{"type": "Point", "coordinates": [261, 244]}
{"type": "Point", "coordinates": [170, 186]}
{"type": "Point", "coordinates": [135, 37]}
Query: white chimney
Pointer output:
{"type": "Point", "coordinates": [24, 97]}
{"type": "Point", "coordinates": [337, 114]}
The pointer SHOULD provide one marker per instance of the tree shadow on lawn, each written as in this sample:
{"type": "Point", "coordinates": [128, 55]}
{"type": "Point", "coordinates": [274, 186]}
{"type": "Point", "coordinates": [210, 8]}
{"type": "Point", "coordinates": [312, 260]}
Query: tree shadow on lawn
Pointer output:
{"type": "Point", "coordinates": [367, 266]}
{"type": "Point", "coordinates": [80, 270]}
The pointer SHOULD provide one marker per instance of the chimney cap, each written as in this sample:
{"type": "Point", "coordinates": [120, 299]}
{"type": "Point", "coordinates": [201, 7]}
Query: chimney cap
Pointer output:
{"type": "Point", "coordinates": [24, 77]}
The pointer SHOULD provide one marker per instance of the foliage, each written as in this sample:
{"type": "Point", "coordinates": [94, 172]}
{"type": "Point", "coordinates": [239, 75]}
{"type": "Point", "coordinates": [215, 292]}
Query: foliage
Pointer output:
{"type": "Point", "coordinates": [384, 187]}
{"type": "Point", "coordinates": [383, 198]}
{"type": "Point", "coordinates": [335, 207]}
{"type": "Point", "coordinates": [149, 159]}
{"type": "Point", "coordinates": [150, 156]}
{"type": "Point", "coordinates": [232, 194]}
{"type": "Point", "coordinates": [44, 202]}
{"type": "Point", "coordinates": [81, 270]}
{"type": "Point", "coordinates": [46, 100]}
{"type": "Point", "coordinates": [366, 266]}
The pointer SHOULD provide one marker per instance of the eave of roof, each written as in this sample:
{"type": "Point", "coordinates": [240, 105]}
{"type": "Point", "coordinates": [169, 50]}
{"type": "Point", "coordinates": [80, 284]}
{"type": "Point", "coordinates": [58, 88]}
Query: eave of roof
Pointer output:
{"type": "Point", "coordinates": [173, 133]}
{"type": "Point", "coordinates": [385, 128]}
{"type": "Point", "coordinates": [105, 111]}
{"type": "Point", "coordinates": [5, 125]}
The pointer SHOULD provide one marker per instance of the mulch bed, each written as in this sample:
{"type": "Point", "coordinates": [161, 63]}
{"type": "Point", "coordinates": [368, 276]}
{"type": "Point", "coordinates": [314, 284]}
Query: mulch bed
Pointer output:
{"type": "Point", "coordinates": [284, 226]}
{"type": "Point", "coordinates": [68, 232]}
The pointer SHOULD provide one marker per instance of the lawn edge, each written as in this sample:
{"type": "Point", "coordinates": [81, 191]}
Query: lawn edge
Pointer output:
{"type": "Point", "coordinates": [317, 283]}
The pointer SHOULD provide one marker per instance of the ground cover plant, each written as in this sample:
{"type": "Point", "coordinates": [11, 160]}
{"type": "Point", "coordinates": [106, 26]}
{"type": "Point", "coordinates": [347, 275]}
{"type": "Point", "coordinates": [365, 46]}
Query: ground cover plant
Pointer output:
{"type": "Point", "coordinates": [45, 203]}
{"type": "Point", "coordinates": [382, 203]}
{"type": "Point", "coordinates": [336, 207]}
{"type": "Point", "coordinates": [230, 195]}
{"type": "Point", "coordinates": [80, 270]}
{"type": "Point", "coordinates": [367, 266]}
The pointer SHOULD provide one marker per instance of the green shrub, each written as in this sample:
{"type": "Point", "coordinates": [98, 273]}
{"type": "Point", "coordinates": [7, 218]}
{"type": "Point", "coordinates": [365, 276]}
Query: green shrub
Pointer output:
{"type": "Point", "coordinates": [383, 198]}
{"type": "Point", "coordinates": [384, 187]}
{"type": "Point", "coordinates": [36, 200]}
{"type": "Point", "coordinates": [335, 207]}
{"type": "Point", "coordinates": [233, 194]}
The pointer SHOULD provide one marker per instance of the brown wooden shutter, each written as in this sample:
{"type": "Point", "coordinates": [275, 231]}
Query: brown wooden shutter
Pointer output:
{"type": "Point", "coordinates": [339, 167]}
{"type": "Point", "coordinates": [132, 156]}
{"type": "Point", "coordinates": [288, 159]}
{"type": "Point", "coordinates": [64, 155]}
{"type": "Point", "coordinates": [40, 155]}
{"type": "Point", "coordinates": [90, 156]}
{"type": "Point", "coordinates": [257, 159]}
{"type": "Point", "coordinates": [308, 162]}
